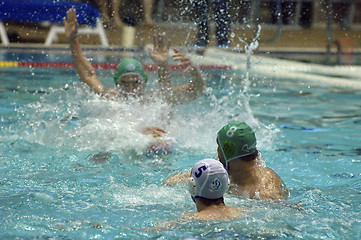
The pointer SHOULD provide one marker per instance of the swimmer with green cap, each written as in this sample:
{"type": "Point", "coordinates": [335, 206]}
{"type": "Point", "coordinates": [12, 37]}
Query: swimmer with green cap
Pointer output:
{"type": "Point", "coordinates": [130, 77]}
{"type": "Point", "coordinates": [249, 175]}
{"type": "Point", "coordinates": [236, 140]}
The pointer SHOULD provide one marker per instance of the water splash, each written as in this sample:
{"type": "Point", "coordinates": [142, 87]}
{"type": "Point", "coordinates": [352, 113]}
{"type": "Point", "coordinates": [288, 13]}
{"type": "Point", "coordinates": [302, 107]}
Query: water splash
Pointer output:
{"type": "Point", "coordinates": [267, 132]}
{"type": "Point", "coordinates": [77, 118]}
{"type": "Point", "coordinates": [249, 49]}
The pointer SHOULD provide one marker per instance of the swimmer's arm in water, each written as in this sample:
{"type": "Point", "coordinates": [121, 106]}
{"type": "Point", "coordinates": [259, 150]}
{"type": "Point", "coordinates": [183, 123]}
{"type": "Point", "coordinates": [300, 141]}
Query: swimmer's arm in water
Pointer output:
{"type": "Point", "coordinates": [84, 68]}
{"type": "Point", "coordinates": [170, 224]}
{"type": "Point", "coordinates": [154, 131]}
{"type": "Point", "coordinates": [176, 178]}
{"type": "Point", "coordinates": [196, 86]}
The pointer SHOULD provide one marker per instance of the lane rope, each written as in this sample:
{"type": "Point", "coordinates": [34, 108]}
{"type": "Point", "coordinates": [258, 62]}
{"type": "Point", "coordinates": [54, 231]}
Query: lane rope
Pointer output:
{"type": "Point", "coordinates": [106, 66]}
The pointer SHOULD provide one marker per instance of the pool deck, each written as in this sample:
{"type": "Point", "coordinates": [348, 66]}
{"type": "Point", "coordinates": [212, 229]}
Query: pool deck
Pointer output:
{"type": "Point", "coordinates": [271, 40]}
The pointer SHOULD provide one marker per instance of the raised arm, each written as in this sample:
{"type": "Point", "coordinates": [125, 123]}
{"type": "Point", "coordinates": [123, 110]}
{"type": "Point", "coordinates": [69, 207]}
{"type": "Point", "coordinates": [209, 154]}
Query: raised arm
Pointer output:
{"type": "Point", "coordinates": [160, 54]}
{"type": "Point", "coordinates": [181, 94]}
{"type": "Point", "coordinates": [196, 86]}
{"type": "Point", "coordinates": [176, 178]}
{"type": "Point", "coordinates": [82, 65]}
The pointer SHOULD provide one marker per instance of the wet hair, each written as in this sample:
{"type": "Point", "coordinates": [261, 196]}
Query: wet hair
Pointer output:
{"type": "Point", "coordinates": [250, 157]}
{"type": "Point", "coordinates": [208, 202]}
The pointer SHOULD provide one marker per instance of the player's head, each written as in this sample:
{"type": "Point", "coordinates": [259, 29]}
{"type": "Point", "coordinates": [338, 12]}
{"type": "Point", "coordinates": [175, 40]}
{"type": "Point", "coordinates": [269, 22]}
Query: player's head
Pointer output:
{"type": "Point", "coordinates": [130, 76]}
{"type": "Point", "coordinates": [208, 180]}
{"type": "Point", "coordinates": [235, 140]}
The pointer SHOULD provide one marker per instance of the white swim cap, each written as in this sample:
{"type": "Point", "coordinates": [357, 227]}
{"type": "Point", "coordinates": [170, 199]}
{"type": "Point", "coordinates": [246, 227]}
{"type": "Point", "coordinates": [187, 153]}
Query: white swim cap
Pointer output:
{"type": "Point", "coordinates": [209, 179]}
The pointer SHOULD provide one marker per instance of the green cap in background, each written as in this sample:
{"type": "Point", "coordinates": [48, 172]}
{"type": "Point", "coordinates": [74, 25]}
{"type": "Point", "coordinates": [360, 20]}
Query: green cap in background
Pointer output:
{"type": "Point", "coordinates": [236, 139]}
{"type": "Point", "coordinates": [129, 65]}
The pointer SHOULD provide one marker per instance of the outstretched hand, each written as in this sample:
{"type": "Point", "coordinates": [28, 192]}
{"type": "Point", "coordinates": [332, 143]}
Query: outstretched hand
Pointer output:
{"type": "Point", "coordinates": [176, 178]}
{"type": "Point", "coordinates": [185, 62]}
{"type": "Point", "coordinates": [71, 25]}
{"type": "Point", "coordinates": [159, 53]}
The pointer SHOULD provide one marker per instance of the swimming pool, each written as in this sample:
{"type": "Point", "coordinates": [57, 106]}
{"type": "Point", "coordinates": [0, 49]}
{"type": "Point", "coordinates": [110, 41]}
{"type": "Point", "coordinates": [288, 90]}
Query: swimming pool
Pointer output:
{"type": "Point", "coordinates": [72, 164]}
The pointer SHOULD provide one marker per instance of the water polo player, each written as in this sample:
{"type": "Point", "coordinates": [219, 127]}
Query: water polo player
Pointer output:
{"type": "Point", "coordinates": [130, 77]}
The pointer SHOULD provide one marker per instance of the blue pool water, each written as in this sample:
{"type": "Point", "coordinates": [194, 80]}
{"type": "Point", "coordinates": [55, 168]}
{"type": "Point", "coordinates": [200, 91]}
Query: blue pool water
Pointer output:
{"type": "Point", "coordinates": [72, 164]}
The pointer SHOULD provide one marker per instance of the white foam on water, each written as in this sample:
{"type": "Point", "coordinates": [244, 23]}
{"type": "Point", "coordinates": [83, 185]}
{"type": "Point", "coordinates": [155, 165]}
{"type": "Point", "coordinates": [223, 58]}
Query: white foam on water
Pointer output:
{"type": "Point", "coordinates": [339, 76]}
{"type": "Point", "coordinates": [75, 117]}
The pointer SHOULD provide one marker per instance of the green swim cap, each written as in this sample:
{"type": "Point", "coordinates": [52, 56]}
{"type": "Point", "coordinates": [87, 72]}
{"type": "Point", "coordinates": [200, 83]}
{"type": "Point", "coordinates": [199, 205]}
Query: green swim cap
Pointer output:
{"type": "Point", "coordinates": [129, 65]}
{"type": "Point", "coordinates": [236, 139]}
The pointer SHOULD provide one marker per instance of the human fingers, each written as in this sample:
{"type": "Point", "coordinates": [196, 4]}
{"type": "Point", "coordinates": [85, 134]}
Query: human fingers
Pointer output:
{"type": "Point", "coordinates": [73, 18]}
{"type": "Point", "coordinates": [65, 22]}
{"type": "Point", "coordinates": [177, 53]}
{"type": "Point", "coordinates": [186, 63]}
{"type": "Point", "coordinates": [169, 180]}
{"type": "Point", "coordinates": [159, 38]}
{"type": "Point", "coordinates": [158, 132]}
{"type": "Point", "coordinates": [160, 129]}
{"type": "Point", "coordinates": [187, 68]}
{"type": "Point", "coordinates": [71, 15]}
{"type": "Point", "coordinates": [68, 14]}
{"type": "Point", "coordinates": [150, 51]}
{"type": "Point", "coordinates": [168, 45]}
{"type": "Point", "coordinates": [155, 41]}
{"type": "Point", "coordinates": [180, 57]}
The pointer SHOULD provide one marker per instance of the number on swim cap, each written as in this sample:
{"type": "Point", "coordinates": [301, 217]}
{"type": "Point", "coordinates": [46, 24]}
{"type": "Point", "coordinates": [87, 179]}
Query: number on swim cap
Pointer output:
{"type": "Point", "coordinates": [200, 171]}
{"type": "Point", "coordinates": [231, 131]}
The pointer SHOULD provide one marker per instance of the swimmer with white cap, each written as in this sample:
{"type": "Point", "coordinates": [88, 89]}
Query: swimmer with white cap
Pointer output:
{"type": "Point", "coordinates": [207, 185]}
